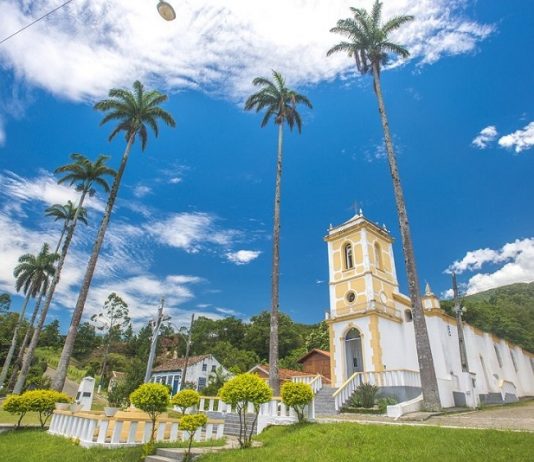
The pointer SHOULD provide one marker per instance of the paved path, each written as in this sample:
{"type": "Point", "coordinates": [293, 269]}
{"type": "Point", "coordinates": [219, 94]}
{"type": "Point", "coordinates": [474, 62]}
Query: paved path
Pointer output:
{"type": "Point", "coordinates": [518, 417]}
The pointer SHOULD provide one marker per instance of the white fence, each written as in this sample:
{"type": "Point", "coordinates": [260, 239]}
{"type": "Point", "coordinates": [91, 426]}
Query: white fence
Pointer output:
{"type": "Point", "coordinates": [92, 429]}
{"type": "Point", "coordinates": [391, 378]}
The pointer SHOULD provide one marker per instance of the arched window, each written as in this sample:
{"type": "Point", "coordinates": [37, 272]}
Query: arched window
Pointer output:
{"type": "Point", "coordinates": [353, 352]}
{"type": "Point", "coordinates": [378, 256]}
{"type": "Point", "coordinates": [347, 251]}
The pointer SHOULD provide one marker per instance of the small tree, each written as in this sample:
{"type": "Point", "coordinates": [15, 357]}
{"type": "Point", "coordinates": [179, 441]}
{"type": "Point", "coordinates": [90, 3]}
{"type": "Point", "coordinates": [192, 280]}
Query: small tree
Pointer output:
{"type": "Point", "coordinates": [185, 399]}
{"type": "Point", "coordinates": [191, 423]}
{"type": "Point", "coordinates": [44, 402]}
{"type": "Point", "coordinates": [15, 404]}
{"type": "Point", "coordinates": [366, 394]}
{"type": "Point", "coordinates": [239, 392]}
{"type": "Point", "coordinates": [118, 395]}
{"type": "Point", "coordinates": [297, 396]}
{"type": "Point", "coordinates": [153, 398]}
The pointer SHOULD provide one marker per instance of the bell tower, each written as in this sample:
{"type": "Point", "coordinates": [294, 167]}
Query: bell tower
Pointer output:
{"type": "Point", "coordinates": [361, 267]}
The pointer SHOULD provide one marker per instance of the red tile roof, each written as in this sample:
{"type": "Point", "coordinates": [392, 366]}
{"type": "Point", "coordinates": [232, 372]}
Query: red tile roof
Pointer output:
{"type": "Point", "coordinates": [284, 374]}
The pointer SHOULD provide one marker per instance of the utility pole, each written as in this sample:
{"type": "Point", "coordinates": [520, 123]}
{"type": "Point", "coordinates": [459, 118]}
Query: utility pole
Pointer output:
{"type": "Point", "coordinates": [154, 340]}
{"type": "Point", "coordinates": [459, 324]}
{"type": "Point", "coordinates": [188, 346]}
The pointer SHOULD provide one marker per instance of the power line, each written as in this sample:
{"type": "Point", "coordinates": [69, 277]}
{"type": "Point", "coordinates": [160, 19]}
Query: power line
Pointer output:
{"type": "Point", "coordinates": [33, 22]}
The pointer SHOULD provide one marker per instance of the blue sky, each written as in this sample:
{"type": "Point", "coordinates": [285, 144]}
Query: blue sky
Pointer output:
{"type": "Point", "coordinates": [194, 218]}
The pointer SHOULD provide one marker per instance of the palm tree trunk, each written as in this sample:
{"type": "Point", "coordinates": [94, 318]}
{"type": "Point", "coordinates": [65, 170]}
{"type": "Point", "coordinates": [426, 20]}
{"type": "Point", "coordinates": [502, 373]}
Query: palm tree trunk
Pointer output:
{"type": "Point", "coordinates": [24, 344]}
{"type": "Point", "coordinates": [11, 352]}
{"type": "Point", "coordinates": [274, 380]}
{"type": "Point", "coordinates": [429, 383]}
{"type": "Point", "coordinates": [61, 373]}
{"type": "Point", "coordinates": [62, 235]}
{"type": "Point", "coordinates": [28, 357]}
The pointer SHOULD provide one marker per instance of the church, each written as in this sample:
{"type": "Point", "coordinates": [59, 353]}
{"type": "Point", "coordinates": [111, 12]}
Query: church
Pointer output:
{"type": "Point", "coordinates": [372, 336]}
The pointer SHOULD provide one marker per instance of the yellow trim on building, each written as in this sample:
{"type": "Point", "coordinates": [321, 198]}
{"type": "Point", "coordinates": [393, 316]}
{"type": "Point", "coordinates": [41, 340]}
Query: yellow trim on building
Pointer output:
{"type": "Point", "coordinates": [375, 343]}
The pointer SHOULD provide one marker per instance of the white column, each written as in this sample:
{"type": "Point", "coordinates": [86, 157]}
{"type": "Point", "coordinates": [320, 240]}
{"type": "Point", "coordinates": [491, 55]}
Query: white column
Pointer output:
{"type": "Point", "coordinates": [116, 436]}
{"type": "Point", "coordinates": [131, 432]}
{"type": "Point", "coordinates": [102, 430]}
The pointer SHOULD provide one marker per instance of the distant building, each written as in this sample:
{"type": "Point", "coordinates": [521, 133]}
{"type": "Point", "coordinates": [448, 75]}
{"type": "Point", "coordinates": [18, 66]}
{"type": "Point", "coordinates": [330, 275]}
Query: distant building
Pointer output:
{"type": "Point", "coordinates": [199, 368]}
{"type": "Point", "coordinates": [285, 375]}
{"type": "Point", "coordinates": [316, 362]}
{"type": "Point", "coordinates": [115, 378]}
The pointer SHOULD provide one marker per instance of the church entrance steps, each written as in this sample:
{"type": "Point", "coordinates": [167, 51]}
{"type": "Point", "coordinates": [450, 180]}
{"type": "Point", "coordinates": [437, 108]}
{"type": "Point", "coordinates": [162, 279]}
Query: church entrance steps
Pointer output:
{"type": "Point", "coordinates": [324, 402]}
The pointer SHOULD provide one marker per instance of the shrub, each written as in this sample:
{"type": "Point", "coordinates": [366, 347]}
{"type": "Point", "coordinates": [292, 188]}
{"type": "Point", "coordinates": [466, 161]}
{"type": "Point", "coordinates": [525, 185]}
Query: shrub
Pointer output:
{"type": "Point", "coordinates": [239, 392]}
{"type": "Point", "coordinates": [118, 395]}
{"type": "Point", "coordinates": [44, 402]}
{"type": "Point", "coordinates": [297, 396]}
{"type": "Point", "coordinates": [384, 402]}
{"type": "Point", "coordinates": [153, 398]}
{"type": "Point", "coordinates": [191, 423]}
{"type": "Point", "coordinates": [366, 393]}
{"type": "Point", "coordinates": [15, 404]}
{"type": "Point", "coordinates": [185, 399]}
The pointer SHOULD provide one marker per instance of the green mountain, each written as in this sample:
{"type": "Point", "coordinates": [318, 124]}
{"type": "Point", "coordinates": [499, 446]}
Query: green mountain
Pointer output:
{"type": "Point", "coordinates": [507, 312]}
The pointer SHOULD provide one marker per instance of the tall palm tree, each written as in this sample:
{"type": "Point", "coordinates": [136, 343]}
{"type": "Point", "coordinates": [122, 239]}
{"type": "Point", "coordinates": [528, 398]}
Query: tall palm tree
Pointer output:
{"type": "Point", "coordinates": [31, 274]}
{"type": "Point", "coordinates": [66, 214]}
{"type": "Point", "coordinates": [84, 175]}
{"type": "Point", "coordinates": [280, 104]}
{"type": "Point", "coordinates": [134, 111]}
{"type": "Point", "coordinates": [368, 42]}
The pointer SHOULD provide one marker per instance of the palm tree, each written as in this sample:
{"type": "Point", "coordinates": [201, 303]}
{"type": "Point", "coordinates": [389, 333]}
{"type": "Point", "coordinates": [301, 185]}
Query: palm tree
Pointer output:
{"type": "Point", "coordinates": [31, 275]}
{"type": "Point", "coordinates": [66, 214]}
{"type": "Point", "coordinates": [134, 111]}
{"type": "Point", "coordinates": [369, 44]}
{"type": "Point", "coordinates": [83, 174]}
{"type": "Point", "coordinates": [280, 103]}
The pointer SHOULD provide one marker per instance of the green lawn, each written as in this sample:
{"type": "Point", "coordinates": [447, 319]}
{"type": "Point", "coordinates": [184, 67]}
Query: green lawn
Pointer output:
{"type": "Point", "coordinates": [31, 418]}
{"type": "Point", "coordinates": [306, 443]}
{"type": "Point", "coordinates": [353, 442]}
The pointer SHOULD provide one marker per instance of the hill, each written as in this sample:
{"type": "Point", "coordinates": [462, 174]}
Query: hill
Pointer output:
{"type": "Point", "coordinates": [507, 312]}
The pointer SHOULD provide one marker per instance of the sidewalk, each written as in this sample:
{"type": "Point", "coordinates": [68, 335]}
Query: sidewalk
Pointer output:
{"type": "Point", "coordinates": [516, 417]}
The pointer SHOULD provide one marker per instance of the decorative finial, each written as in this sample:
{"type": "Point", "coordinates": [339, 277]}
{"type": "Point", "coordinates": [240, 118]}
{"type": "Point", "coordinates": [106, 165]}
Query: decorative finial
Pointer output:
{"type": "Point", "coordinates": [361, 212]}
{"type": "Point", "coordinates": [428, 290]}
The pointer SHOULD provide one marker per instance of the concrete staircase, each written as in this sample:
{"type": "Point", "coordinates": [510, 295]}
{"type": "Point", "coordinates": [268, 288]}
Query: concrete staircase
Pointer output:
{"type": "Point", "coordinates": [231, 424]}
{"type": "Point", "coordinates": [324, 402]}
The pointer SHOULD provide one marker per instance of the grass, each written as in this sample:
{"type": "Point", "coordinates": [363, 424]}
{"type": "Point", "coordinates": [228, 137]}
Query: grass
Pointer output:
{"type": "Point", "coordinates": [31, 418]}
{"type": "Point", "coordinates": [382, 443]}
{"type": "Point", "coordinates": [37, 446]}
{"type": "Point", "coordinates": [51, 355]}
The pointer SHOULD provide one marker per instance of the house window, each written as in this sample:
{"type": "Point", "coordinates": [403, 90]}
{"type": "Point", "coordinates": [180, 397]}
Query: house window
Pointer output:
{"type": "Point", "coordinates": [201, 383]}
{"type": "Point", "coordinates": [378, 256]}
{"type": "Point", "coordinates": [347, 251]}
{"type": "Point", "coordinates": [499, 359]}
{"type": "Point", "coordinates": [213, 368]}
{"type": "Point", "coordinates": [513, 360]}
{"type": "Point", "coordinates": [204, 367]}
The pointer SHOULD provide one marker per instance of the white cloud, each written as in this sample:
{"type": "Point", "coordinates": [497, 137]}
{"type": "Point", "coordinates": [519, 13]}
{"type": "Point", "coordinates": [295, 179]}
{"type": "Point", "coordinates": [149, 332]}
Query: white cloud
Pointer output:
{"type": "Point", "coordinates": [141, 191]}
{"type": "Point", "coordinates": [2, 133]}
{"type": "Point", "coordinates": [516, 261]}
{"type": "Point", "coordinates": [486, 136]}
{"type": "Point", "coordinates": [213, 46]}
{"type": "Point", "coordinates": [519, 140]}
{"type": "Point", "coordinates": [43, 188]}
{"type": "Point", "coordinates": [191, 231]}
{"type": "Point", "coordinates": [243, 257]}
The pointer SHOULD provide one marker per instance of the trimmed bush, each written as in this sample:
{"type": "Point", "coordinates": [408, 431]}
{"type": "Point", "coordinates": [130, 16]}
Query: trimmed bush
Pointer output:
{"type": "Point", "coordinates": [15, 404]}
{"type": "Point", "coordinates": [297, 396]}
{"type": "Point", "coordinates": [153, 398]}
{"type": "Point", "coordinates": [41, 401]}
{"type": "Point", "coordinates": [185, 399]}
{"type": "Point", "coordinates": [239, 392]}
{"type": "Point", "coordinates": [191, 423]}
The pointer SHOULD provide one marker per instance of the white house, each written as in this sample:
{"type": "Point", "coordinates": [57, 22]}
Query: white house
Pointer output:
{"type": "Point", "coordinates": [372, 334]}
{"type": "Point", "coordinates": [199, 369]}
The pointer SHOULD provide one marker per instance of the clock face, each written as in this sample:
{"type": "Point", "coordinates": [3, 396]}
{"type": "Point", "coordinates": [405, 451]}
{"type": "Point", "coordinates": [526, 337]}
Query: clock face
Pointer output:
{"type": "Point", "coordinates": [351, 296]}
{"type": "Point", "coordinates": [383, 297]}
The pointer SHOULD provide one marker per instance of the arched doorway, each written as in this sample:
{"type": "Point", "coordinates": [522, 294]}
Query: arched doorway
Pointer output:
{"type": "Point", "coordinates": [353, 352]}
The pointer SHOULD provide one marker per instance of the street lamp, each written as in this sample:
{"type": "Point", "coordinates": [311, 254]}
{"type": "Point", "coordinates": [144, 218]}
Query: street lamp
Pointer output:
{"type": "Point", "coordinates": [166, 11]}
